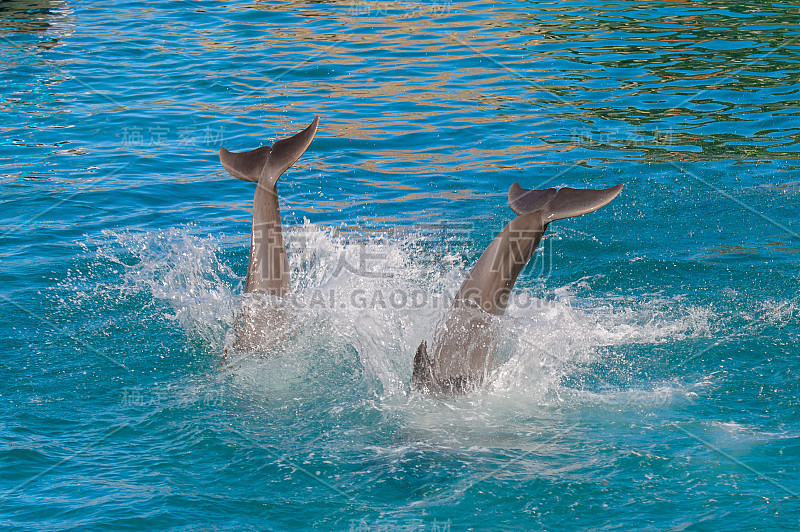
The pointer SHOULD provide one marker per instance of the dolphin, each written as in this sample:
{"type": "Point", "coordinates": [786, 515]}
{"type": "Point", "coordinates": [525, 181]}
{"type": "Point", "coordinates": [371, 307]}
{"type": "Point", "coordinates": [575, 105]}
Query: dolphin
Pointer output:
{"type": "Point", "coordinates": [267, 268]}
{"type": "Point", "coordinates": [463, 350]}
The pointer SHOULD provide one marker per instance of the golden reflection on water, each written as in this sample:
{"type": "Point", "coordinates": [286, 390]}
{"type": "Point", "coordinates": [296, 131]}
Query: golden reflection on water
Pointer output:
{"type": "Point", "coordinates": [552, 85]}
{"type": "Point", "coordinates": [32, 16]}
{"type": "Point", "coordinates": [425, 68]}
{"type": "Point", "coordinates": [394, 185]}
{"type": "Point", "coordinates": [768, 248]}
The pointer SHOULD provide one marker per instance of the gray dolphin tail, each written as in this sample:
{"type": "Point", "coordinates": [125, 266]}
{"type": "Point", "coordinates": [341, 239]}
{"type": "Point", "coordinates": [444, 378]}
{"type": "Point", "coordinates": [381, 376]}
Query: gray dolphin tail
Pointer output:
{"type": "Point", "coordinates": [267, 268]}
{"type": "Point", "coordinates": [268, 162]}
{"type": "Point", "coordinates": [558, 204]}
{"type": "Point", "coordinates": [462, 352]}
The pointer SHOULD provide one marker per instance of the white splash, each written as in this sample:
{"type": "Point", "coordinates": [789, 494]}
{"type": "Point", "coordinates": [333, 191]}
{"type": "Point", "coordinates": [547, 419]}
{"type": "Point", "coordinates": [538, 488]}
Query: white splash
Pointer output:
{"type": "Point", "coordinates": [376, 299]}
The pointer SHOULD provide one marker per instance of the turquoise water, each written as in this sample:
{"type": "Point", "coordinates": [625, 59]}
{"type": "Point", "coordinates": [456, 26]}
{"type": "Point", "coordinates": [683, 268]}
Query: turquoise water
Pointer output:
{"type": "Point", "coordinates": [649, 373]}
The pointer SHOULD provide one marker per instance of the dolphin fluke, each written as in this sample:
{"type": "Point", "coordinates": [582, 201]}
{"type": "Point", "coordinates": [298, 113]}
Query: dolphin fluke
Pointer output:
{"type": "Point", "coordinates": [268, 268]}
{"type": "Point", "coordinates": [268, 162]}
{"type": "Point", "coordinates": [562, 203]}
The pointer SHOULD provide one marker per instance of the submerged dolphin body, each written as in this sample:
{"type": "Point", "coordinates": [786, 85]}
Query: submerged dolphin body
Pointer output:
{"type": "Point", "coordinates": [462, 346]}
{"type": "Point", "coordinates": [267, 269]}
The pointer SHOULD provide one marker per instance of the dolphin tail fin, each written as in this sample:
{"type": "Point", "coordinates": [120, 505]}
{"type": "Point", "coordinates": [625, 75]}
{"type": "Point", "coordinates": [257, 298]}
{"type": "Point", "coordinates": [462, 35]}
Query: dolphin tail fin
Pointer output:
{"type": "Point", "coordinates": [562, 203]}
{"type": "Point", "coordinates": [268, 162]}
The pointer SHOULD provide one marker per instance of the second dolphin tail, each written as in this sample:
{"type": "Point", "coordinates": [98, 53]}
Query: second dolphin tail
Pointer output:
{"type": "Point", "coordinates": [556, 204]}
{"type": "Point", "coordinates": [268, 162]}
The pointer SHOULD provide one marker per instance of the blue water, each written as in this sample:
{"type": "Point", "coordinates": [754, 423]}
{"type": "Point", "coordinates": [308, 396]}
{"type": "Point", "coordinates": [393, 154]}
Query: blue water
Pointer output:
{"type": "Point", "coordinates": [648, 375]}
